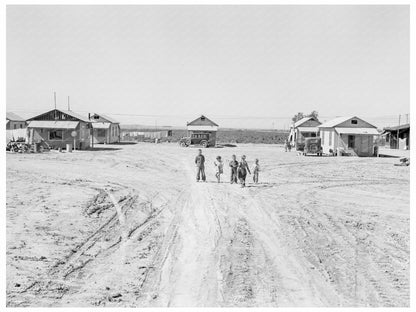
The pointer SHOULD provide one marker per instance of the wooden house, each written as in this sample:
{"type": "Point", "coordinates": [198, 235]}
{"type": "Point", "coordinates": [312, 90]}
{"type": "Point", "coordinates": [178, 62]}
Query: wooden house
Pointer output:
{"type": "Point", "coordinates": [348, 136]}
{"type": "Point", "coordinates": [202, 130]}
{"type": "Point", "coordinates": [398, 137]}
{"type": "Point", "coordinates": [60, 127]}
{"type": "Point", "coordinates": [306, 127]}
{"type": "Point", "coordinates": [105, 129]}
{"type": "Point", "coordinates": [14, 121]}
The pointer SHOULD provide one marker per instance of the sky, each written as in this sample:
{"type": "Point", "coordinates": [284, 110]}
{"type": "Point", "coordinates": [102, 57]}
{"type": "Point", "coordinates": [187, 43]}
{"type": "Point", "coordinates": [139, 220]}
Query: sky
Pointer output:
{"type": "Point", "coordinates": [242, 66]}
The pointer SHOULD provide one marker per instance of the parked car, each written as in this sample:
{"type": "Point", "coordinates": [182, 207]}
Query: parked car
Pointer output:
{"type": "Point", "coordinates": [313, 146]}
{"type": "Point", "coordinates": [201, 139]}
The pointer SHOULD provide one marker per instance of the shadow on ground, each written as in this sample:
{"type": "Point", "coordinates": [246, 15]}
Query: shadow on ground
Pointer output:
{"type": "Point", "coordinates": [104, 149]}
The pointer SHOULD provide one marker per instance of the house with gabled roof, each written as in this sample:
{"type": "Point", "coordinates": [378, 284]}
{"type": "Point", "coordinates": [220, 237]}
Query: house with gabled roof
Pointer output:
{"type": "Point", "coordinates": [60, 127]}
{"type": "Point", "coordinates": [105, 129]}
{"type": "Point", "coordinates": [398, 136]}
{"type": "Point", "coordinates": [307, 127]}
{"type": "Point", "coordinates": [203, 130]}
{"type": "Point", "coordinates": [14, 121]}
{"type": "Point", "coordinates": [349, 136]}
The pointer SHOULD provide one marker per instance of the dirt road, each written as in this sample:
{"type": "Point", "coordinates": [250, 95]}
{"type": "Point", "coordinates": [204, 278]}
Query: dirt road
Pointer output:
{"type": "Point", "coordinates": [129, 226]}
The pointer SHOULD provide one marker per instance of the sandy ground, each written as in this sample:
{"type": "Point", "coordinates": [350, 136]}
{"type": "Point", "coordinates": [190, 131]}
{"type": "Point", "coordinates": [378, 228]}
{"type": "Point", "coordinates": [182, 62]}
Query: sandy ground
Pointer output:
{"type": "Point", "coordinates": [129, 226]}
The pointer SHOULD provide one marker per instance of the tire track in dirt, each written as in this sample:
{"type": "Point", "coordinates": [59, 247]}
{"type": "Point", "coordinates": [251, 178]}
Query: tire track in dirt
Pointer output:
{"type": "Point", "coordinates": [112, 234]}
{"type": "Point", "coordinates": [186, 265]}
{"type": "Point", "coordinates": [78, 257]}
{"type": "Point", "coordinates": [359, 236]}
{"type": "Point", "coordinates": [290, 270]}
{"type": "Point", "coordinates": [327, 258]}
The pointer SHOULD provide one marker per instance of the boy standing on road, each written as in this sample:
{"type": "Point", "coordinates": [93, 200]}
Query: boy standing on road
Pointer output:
{"type": "Point", "coordinates": [219, 166]}
{"type": "Point", "coordinates": [200, 166]}
{"type": "Point", "coordinates": [242, 171]}
{"type": "Point", "coordinates": [234, 165]}
{"type": "Point", "coordinates": [256, 170]}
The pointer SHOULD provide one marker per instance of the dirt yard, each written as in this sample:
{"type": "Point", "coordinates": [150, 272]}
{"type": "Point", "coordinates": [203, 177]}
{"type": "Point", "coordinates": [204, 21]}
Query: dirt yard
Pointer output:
{"type": "Point", "coordinates": [129, 226]}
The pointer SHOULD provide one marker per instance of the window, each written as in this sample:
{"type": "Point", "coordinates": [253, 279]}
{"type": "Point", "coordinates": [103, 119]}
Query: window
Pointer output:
{"type": "Point", "coordinates": [101, 132]}
{"type": "Point", "coordinates": [351, 141]}
{"type": "Point", "coordinates": [354, 121]}
{"type": "Point", "coordinates": [200, 136]}
{"type": "Point", "coordinates": [21, 126]}
{"type": "Point", "coordinates": [56, 135]}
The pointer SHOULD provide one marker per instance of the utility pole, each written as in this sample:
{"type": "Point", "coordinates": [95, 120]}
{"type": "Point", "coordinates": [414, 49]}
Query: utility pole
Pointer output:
{"type": "Point", "coordinates": [69, 108]}
{"type": "Point", "coordinates": [54, 99]}
{"type": "Point", "coordinates": [398, 130]}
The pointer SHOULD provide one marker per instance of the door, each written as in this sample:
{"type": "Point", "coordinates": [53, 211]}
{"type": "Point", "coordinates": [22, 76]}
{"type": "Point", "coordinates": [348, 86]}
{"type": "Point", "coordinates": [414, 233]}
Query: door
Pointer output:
{"type": "Point", "coordinates": [351, 141]}
{"type": "Point", "coordinates": [364, 148]}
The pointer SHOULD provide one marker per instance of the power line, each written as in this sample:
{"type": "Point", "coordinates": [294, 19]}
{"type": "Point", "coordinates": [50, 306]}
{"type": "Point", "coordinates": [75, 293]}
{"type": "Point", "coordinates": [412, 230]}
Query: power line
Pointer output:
{"type": "Point", "coordinates": [229, 117]}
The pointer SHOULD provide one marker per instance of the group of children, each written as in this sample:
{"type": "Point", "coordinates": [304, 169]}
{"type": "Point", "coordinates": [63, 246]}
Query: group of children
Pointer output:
{"type": "Point", "coordinates": [239, 169]}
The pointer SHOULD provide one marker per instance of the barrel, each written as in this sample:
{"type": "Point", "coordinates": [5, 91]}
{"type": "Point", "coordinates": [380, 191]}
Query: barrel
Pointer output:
{"type": "Point", "coordinates": [69, 148]}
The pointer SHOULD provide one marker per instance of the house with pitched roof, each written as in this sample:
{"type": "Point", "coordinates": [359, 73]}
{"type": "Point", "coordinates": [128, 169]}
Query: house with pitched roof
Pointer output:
{"type": "Point", "coordinates": [307, 127]}
{"type": "Point", "coordinates": [349, 136]}
{"type": "Point", "coordinates": [202, 131]}
{"type": "Point", "coordinates": [60, 127]}
{"type": "Point", "coordinates": [398, 136]}
{"type": "Point", "coordinates": [14, 121]}
{"type": "Point", "coordinates": [105, 129]}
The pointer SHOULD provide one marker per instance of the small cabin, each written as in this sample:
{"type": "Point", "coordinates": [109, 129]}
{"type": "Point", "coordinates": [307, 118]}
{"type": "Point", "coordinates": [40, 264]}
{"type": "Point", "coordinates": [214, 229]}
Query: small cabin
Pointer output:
{"type": "Point", "coordinates": [349, 136]}
{"type": "Point", "coordinates": [203, 129]}
{"type": "Point", "coordinates": [105, 129]}
{"type": "Point", "coordinates": [306, 127]}
{"type": "Point", "coordinates": [58, 128]}
{"type": "Point", "coordinates": [14, 121]}
{"type": "Point", "coordinates": [398, 137]}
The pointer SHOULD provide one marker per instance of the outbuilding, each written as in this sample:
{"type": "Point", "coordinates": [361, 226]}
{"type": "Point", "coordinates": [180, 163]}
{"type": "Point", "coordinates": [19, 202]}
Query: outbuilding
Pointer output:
{"type": "Point", "coordinates": [349, 136]}
{"type": "Point", "coordinates": [59, 128]}
{"type": "Point", "coordinates": [398, 137]}
{"type": "Point", "coordinates": [202, 131]}
{"type": "Point", "coordinates": [105, 129]}
{"type": "Point", "coordinates": [306, 127]}
{"type": "Point", "coordinates": [14, 121]}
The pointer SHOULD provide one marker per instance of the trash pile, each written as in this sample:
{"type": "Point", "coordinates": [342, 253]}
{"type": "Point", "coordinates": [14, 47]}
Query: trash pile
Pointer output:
{"type": "Point", "coordinates": [23, 147]}
{"type": "Point", "coordinates": [18, 147]}
{"type": "Point", "coordinates": [404, 162]}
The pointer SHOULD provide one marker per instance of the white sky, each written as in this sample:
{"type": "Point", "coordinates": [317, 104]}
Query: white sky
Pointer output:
{"type": "Point", "coordinates": [173, 63]}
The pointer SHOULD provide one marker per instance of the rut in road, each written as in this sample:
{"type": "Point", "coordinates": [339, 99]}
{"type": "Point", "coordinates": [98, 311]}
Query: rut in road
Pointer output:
{"type": "Point", "coordinates": [185, 270]}
{"type": "Point", "coordinates": [220, 250]}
